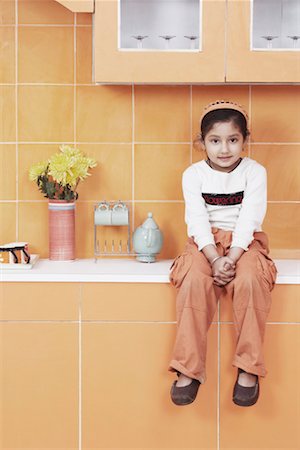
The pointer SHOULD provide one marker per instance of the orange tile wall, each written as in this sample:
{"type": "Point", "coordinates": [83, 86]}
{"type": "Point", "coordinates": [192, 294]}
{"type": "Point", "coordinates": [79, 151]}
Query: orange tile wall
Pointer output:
{"type": "Point", "coordinates": [59, 355]}
{"type": "Point", "coordinates": [141, 136]}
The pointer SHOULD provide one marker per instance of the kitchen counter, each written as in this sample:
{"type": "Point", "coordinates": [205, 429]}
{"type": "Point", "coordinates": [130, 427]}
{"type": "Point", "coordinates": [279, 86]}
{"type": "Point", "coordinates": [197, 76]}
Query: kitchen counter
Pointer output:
{"type": "Point", "coordinates": [119, 270]}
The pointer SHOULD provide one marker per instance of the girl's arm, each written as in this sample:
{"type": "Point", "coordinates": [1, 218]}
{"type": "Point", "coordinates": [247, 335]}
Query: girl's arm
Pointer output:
{"type": "Point", "coordinates": [252, 211]}
{"type": "Point", "coordinates": [196, 215]}
{"type": "Point", "coordinates": [210, 252]}
{"type": "Point", "coordinates": [235, 253]}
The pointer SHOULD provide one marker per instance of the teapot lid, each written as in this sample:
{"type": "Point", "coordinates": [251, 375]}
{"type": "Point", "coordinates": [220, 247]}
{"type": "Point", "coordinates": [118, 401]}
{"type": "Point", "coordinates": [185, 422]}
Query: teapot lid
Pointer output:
{"type": "Point", "coordinates": [150, 223]}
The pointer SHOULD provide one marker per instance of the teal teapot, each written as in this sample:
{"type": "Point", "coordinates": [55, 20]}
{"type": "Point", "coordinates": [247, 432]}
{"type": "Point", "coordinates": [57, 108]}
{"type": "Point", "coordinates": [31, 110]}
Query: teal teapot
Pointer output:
{"type": "Point", "coordinates": [147, 240]}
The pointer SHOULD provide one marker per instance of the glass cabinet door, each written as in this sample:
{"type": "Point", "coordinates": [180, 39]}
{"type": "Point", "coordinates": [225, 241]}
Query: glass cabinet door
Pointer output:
{"type": "Point", "coordinates": [160, 25]}
{"type": "Point", "coordinates": [159, 41]}
{"type": "Point", "coordinates": [275, 25]}
{"type": "Point", "coordinates": [263, 41]}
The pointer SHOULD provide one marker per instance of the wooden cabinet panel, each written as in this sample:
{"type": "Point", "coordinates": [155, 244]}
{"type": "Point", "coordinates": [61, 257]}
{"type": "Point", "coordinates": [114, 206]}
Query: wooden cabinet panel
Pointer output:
{"type": "Point", "coordinates": [112, 65]}
{"type": "Point", "coordinates": [245, 65]}
{"type": "Point", "coordinates": [80, 6]}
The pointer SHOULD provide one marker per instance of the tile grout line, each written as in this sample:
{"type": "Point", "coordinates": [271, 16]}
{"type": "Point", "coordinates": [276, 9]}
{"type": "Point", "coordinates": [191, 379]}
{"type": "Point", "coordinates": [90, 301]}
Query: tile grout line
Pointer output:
{"type": "Point", "coordinates": [38, 83]}
{"type": "Point", "coordinates": [228, 322]}
{"type": "Point", "coordinates": [16, 119]}
{"type": "Point", "coordinates": [38, 321]}
{"type": "Point", "coordinates": [135, 142]}
{"type": "Point", "coordinates": [151, 322]}
{"type": "Point", "coordinates": [275, 143]}
{"type": "Point", "coordinates": [93, 49]}
{"type": "Point", "coordinates": [133, 322]}
{"type": "Point", "coordinates": [141, 201]}
{"type": "Point", "coordinates": [80, 285]}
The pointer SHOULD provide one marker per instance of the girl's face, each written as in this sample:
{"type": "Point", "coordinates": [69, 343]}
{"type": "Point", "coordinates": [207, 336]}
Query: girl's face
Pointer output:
{"type": "Point", "coordinates": [224, 145]}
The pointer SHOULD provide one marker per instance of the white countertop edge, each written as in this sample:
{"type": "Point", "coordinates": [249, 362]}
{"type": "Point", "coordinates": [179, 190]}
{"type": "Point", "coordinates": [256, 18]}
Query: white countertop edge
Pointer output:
{"type": "Point", "coordinates": [61, 278]}
{"type": "Point", "coordinates": [119, 271]}
{"type": "Point", "coordinates": [83, 278]}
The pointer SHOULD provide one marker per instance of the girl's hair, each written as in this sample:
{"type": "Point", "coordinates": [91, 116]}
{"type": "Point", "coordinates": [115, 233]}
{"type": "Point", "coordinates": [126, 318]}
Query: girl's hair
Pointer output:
{"type": "Point", "coordinates": [221, 115]}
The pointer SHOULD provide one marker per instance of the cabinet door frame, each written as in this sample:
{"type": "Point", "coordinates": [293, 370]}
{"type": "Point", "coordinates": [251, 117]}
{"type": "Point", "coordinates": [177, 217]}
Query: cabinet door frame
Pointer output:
{"type": "Point", "coordinates": [246, 65]}
{"type": "Point", "coordinates": [114, 66]}
{"type": "Point", "coordinates": [145, 50]}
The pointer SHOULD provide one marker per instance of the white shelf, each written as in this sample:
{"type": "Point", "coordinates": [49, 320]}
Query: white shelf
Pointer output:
{"type": "Point", "coordinates": [108, 270]}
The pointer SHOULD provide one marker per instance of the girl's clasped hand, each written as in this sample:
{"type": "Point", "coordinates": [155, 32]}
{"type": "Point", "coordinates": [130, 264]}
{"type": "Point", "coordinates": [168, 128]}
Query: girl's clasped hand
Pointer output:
{"type": "Point", "coordinates": [223, 270]}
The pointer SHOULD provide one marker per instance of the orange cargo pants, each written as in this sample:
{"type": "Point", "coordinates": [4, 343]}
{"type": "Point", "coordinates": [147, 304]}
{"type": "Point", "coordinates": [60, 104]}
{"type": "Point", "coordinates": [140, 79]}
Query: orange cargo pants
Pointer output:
{"type": "Point", "coordinates": [197, 299]}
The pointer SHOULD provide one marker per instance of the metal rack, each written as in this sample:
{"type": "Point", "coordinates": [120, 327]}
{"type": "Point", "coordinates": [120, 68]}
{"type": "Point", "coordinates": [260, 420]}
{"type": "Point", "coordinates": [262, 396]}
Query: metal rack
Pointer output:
{"type": "Point", "coordinates": [115, 214]}
{"type": "Point", "coordinates": [111, 214]}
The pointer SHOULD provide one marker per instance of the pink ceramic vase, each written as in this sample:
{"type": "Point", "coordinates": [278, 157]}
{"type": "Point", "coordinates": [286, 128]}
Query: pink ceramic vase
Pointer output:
{"type": "Point", "coordinates": [61, 230]}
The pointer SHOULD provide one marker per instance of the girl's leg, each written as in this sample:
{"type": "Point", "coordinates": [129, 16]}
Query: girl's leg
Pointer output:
{"type": "Point", "coordinates": [250, 289]}
{"type": "Point", "coordinates": [196, 303]}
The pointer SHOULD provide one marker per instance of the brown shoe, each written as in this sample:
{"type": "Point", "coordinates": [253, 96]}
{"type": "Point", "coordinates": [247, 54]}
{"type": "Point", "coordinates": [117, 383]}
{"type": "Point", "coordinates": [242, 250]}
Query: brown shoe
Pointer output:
{"type": "Point", "coordinates": [245, 396]}
{"type": "Point", "coordinates": [186, 394]}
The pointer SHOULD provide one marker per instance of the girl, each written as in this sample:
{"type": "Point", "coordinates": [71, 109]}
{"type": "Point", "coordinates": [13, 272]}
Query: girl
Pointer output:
{"type": "Point", "coordinates": [225, 204]}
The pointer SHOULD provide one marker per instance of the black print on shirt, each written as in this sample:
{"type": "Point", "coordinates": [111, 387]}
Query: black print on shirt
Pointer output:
{"type": "Point", "coordinates": [224, 199]}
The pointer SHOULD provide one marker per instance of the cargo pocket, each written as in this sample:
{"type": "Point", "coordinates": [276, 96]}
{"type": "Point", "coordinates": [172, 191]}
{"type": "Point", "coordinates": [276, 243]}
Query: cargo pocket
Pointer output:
{"type": "Point", "coordinates": [179, 269]}
{"type": "Point", "coordinates": [268, 270]}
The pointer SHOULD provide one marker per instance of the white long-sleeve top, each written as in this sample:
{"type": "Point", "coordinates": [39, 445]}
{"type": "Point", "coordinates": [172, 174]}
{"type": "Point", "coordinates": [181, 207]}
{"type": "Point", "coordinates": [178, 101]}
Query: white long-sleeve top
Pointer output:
{"type": "Point", "coordinates": [235, 201]}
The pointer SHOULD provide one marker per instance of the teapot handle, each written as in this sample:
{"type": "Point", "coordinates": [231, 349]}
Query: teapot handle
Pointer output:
{"type": "Point", "coordinates": [149, 237]}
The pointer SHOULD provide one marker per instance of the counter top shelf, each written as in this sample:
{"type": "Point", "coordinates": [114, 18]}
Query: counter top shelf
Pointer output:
{"type": "Point", "coordinates": [109, 270]}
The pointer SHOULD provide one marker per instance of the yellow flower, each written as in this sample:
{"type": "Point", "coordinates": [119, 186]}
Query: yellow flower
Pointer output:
{"type": "Point", "coordinates": [59, 176]}
{"type": "Point", "coordinates": [37, 170]}
{"type": "Point", "coordinates": [60, 168]}
{"type": "Point", "coordinates": [69, 166]}
{"type": "Point", "coordinates": [69, 151]}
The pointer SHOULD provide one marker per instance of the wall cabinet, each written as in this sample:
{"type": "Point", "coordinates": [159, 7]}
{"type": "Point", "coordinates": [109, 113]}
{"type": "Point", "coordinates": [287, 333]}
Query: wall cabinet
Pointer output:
{"type": "Point", "coordinates": [263, 41]}
{"type": "Point", "coordinates": [159, 41]}
{"type": "Point", "coordinates": [196, 41]}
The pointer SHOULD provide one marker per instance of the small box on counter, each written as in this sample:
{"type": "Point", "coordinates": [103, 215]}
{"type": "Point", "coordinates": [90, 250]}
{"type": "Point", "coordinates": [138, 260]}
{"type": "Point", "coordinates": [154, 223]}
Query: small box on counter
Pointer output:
{"type": "Point", "coordinates": [14, 253]}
